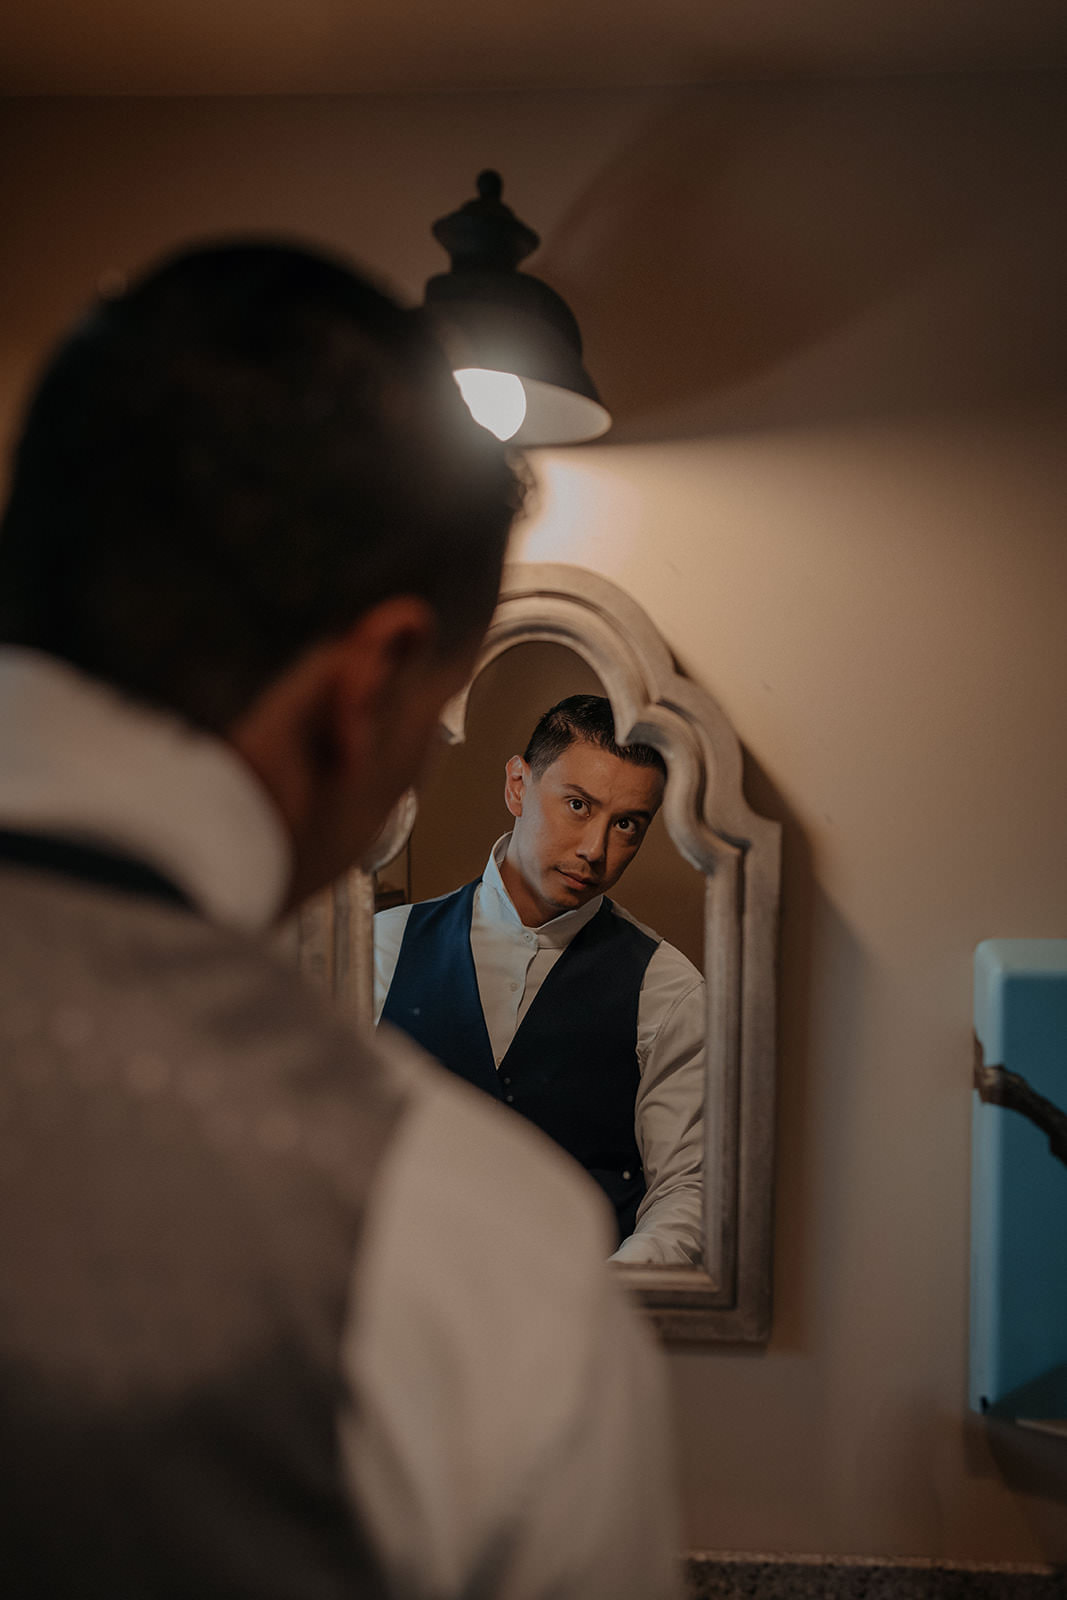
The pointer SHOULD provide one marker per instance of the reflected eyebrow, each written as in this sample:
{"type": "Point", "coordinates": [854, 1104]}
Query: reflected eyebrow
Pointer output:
{"type": "Point", "coordinates": [635, 811]}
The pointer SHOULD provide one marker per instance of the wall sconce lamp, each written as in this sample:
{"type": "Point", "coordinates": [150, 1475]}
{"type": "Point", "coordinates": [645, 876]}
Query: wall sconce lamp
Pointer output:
{"type": "Point", "coordinates": [513, 343]}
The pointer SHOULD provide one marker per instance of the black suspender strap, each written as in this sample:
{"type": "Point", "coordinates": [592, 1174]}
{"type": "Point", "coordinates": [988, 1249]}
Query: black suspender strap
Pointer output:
{"type": "Point", "coordinates": [91, 863]}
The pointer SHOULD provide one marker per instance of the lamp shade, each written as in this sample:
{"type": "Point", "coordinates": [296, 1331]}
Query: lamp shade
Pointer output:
{"type": "Point", "coordinates": [494, 319]}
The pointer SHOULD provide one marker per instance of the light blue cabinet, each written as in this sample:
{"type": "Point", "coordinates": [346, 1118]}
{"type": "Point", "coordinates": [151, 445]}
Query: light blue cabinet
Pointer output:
{"type": "Point", "coordinates": [1019, 1187]}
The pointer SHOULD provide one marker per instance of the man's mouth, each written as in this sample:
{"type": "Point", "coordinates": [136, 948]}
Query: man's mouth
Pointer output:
{"type": "Point", "coordinates": [576, 879]}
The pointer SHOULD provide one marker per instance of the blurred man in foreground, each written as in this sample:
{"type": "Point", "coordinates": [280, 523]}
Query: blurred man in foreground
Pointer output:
{"type": "Point", "coordinates": [286, 1310]}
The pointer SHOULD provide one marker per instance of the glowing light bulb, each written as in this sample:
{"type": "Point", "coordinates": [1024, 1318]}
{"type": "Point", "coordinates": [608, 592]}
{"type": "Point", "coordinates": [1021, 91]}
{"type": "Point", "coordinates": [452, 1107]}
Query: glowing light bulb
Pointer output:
{"type": "Point", "coordinates": [495, 399]}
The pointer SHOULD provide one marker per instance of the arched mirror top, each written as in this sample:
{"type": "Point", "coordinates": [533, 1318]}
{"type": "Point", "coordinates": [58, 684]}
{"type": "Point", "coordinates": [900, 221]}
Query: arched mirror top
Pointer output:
{"type": "Point", "coordinates": [705, 806]}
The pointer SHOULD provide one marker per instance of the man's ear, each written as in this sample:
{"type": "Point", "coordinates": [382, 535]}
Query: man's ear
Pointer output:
{"type": "Point", "coordinates": [383, 677]}
{"type": "Point", "coordinates": [516, 777]}
{"type": "Point", "coordinates": [339, 736]}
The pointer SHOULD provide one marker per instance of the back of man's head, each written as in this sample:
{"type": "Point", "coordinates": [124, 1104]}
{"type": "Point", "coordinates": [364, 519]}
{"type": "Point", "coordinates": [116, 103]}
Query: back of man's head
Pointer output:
{"type": "Point", "coordinates": [232, 461]}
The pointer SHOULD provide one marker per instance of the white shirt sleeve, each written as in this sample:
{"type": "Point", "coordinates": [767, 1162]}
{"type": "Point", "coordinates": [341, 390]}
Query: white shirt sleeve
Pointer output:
{"type": "Point", "coordinates": [669, 1114]}
{"type": "Point", "coordinates": [507, 1431]}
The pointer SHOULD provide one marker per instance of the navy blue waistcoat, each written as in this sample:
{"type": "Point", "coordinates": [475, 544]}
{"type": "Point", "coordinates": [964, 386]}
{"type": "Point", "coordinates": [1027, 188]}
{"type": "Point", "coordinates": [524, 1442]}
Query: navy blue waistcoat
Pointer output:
{"type": "Point", "coordinates": [572, 1066]}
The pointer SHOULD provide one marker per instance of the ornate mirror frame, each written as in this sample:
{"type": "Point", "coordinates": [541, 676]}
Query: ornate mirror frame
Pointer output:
{"type": "Point", "coordinates": [729, 1297]}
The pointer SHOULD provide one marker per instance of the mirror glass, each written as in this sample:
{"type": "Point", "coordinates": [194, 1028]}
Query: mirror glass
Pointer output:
{"type": "Point", "coordinates": [625, 1097]}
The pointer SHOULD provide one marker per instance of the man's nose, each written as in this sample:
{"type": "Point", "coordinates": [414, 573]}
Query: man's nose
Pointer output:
{"type": "Point", "coordinates": [594, 842]}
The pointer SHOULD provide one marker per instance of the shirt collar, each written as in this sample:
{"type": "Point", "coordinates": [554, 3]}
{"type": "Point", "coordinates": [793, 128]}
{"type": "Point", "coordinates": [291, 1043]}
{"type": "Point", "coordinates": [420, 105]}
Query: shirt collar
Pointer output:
{"type": "Point", "coordinates": [495, 905]}
{"type": "Point", "coordinates": [82, 761]}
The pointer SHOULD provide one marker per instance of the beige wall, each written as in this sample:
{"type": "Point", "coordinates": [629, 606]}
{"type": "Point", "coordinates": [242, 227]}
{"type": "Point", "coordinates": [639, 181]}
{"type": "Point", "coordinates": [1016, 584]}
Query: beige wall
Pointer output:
{"type": "Point", "coordinates": [831, 321]}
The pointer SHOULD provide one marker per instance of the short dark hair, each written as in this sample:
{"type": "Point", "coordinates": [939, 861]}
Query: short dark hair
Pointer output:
{"type": "Point", "coordinates": [230, 462]}
{"type": "Point", "coordinates": [588, 717]}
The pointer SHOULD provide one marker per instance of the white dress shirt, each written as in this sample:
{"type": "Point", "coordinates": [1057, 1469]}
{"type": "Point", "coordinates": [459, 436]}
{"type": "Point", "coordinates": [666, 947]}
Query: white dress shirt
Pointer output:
{"type": "Point", "coordinates": [503, 1427]}
{"type": "Point", "coordinates": [512, 962]}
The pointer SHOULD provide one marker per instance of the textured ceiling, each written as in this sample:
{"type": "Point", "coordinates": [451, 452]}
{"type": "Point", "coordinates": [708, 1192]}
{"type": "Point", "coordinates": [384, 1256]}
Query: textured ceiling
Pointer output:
{"type": "Point", "coordinates": [337, 46]}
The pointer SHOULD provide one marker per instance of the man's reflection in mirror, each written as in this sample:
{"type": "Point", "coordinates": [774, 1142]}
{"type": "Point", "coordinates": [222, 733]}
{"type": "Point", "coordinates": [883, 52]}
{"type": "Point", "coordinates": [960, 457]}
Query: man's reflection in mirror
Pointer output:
{"type": "Point", "coordinates": [534, 986]}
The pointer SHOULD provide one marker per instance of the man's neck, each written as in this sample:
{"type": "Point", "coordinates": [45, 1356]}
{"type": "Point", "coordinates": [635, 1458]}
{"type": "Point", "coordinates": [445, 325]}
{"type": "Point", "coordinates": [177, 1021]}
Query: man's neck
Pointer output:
{"type": "Point", "coordinates": [531, 912]}
{"type": "Point", "coordinates": [80, 761]}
